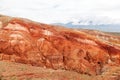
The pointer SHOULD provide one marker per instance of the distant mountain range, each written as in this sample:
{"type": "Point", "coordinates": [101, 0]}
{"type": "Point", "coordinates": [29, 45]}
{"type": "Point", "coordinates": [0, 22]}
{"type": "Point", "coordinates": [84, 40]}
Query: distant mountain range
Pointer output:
{"type": "Point", "coordinates": [91, 25]}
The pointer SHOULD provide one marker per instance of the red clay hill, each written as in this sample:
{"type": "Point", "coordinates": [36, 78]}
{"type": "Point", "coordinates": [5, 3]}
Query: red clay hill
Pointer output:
{"type": "Point", "coordinates": [54, 47]}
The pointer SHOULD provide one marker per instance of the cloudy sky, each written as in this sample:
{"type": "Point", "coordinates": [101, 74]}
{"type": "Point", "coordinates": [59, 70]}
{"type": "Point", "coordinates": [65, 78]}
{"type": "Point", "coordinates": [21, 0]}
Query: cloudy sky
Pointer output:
{"type": "Point", "coordinates": [53, 11]}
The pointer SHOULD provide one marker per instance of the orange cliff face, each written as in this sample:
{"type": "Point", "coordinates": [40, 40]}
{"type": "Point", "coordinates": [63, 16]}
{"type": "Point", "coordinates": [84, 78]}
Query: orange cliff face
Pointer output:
{"type": "Point", "coordinates": [49, 46]}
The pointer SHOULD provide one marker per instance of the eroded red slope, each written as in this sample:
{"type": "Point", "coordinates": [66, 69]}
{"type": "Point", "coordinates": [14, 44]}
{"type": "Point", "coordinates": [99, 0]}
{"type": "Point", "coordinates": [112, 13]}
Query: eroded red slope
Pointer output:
{"type": "Point", "coordinates": [45, 45]}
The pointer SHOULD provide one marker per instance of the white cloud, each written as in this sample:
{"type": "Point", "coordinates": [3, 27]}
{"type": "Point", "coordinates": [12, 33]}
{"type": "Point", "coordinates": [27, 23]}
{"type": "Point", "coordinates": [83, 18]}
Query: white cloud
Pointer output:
{"type": "Point", "coordinates": [50, 11]}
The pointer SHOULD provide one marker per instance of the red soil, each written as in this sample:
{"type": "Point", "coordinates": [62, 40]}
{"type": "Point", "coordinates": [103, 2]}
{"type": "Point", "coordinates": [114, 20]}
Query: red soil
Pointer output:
{"type": "Point", "coordinates": [37, 44]}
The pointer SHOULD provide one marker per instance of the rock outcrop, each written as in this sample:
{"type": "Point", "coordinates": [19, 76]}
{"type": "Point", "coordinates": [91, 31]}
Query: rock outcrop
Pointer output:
{"type": "Point", "coordinates": [49, 46]}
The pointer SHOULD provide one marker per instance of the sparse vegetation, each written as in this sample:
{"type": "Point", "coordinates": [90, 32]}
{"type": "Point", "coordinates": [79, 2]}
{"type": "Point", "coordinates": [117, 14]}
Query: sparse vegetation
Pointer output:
{"type": "Point", "coordinates": [13, 78]}
{"type": "Point", "coordinates": [38, 73]}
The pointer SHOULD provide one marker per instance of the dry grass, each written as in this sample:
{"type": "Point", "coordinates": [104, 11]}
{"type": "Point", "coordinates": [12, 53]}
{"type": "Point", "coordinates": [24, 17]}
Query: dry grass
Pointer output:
{"type": "Point", "coordinates": [17, 71]}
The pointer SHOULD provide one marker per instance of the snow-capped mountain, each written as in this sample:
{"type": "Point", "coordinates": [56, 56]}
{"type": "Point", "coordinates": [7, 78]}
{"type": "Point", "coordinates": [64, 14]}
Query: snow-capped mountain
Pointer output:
{"type": "Point", "coordinates": [95, 25]}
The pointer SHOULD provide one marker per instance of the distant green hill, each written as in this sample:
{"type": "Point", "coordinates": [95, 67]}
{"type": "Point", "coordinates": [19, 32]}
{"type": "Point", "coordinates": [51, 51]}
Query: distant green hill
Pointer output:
{"type": "Point", "coordinates": [114, 33]}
